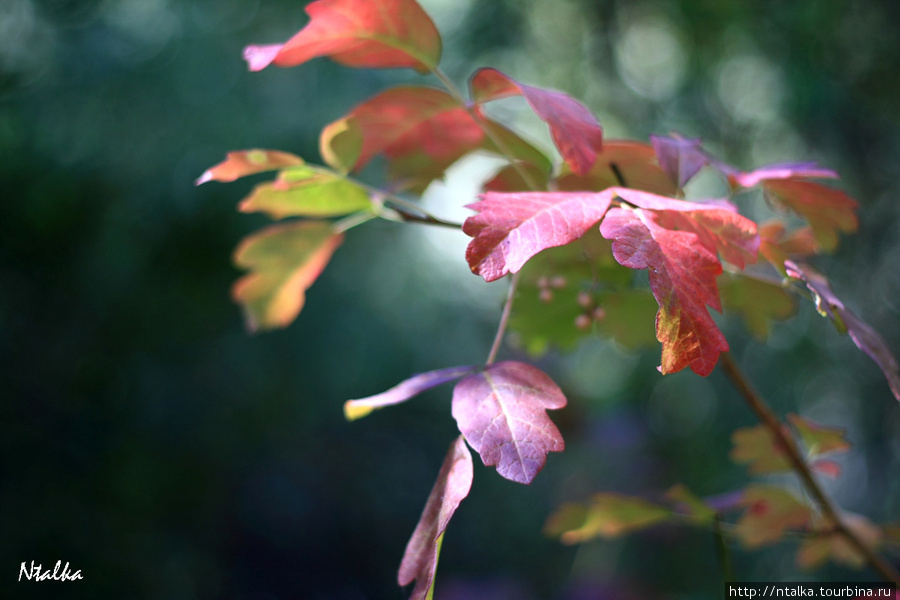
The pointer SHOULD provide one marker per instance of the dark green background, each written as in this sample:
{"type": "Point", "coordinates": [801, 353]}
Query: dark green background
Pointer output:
{"type": "Point", "coordinates": [152, 443]}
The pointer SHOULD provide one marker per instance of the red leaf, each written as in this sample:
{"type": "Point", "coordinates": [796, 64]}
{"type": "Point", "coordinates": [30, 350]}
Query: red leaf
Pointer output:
{"type": "Point", "coordinates": [358, 33]}
{"type": "Point", "coordinates": [800, 170]}
{"type": "Point", "coordinates": [621, 163]}
{"type": "Point", "coordinates": [247, 162]}
{"type": "Point", "coordinates": [866, 339]}
{"type": "Point", "coordinates": [284, 261]}
{"type": "Point", "coordinates": [501, 412]}
{"type": "Point", "coordinates": [510, 228]}
{"type": "Point", "coordinates": [574, 130]}
{"type": "Point", "coordinates": [421, 555]}
{"type": "Point", "coordinates": [828, 210]}
{"type": "Point", "coordinates": [421, 131]}
{"type": "Point", "coordinates": [679, 157]}
{"type": "Point", "coordinates": [415, 385]}
{"type": "Point", "coordinates": [683, 280]}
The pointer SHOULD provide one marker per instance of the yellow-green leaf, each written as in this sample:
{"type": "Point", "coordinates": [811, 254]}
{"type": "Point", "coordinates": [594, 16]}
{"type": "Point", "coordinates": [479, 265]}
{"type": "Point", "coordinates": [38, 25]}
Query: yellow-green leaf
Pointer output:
{"type": "Point", "coordinates": [284, 261]}
{"type": "Point", "coordinates": [820, 439]}
{"type": "Point", "coordinates": [770, 511]}
{"type": "Point", "coordinates": [304, 191]}
{"type": "Point", "coordinates": [758, 302]}
{"type": "Point", "coordinates": [755, 447]}
{"type": "Point", "coordinates": [607, 515]}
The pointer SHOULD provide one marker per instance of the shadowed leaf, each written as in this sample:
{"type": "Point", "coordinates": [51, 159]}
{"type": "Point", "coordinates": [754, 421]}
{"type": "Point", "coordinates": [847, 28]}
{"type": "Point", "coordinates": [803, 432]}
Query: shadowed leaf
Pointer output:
{"type": "Point", "coordinates": [866, 339]}
{"type": "Point", "coordinates": [688, 504]}
{"type": "Point", "coordinates": [679, 157]}
{"type": "Point", "coordinates": [358, 33]}
{"type": "Point", "coordinates": [826, 209]}
{"type": "Point", "coordinates": [607, 515]}
{"type": "Point", "coordinates": [575, 131]}
{"type": "Point", "coordinates": [770, 511]}
{"type": "Point", "coordinates": [452, 486]}
{"type": "Point", "coordinates": [820, 439]}
{"type": "Point", "coordinates": [340, 144]}
{"type": "Point", "coordinates": [283, 260]}
{"type": "Point", "coordinates": [415, 385]}
{"type": "Point", "coordinates": [798, 170]}
{"type": "Point", "coordinates": [247, 162]}
{"type": "Point", "coordinates": [759, 450]}
{"type": "Point", "coordinates": [777, 245]}
{"type": "Point", "coordinates": [302, 191]}
{"type": "Point", "coordinates": [502, 413]}
{"type": "Point", "coordinates": [816, 550]}
{"type": "Point", "coordinates": [510, 228]}
{"type": "Point", "coordinates": [635, 162]}
{"type": "Point", "coordinates": [758, 302]}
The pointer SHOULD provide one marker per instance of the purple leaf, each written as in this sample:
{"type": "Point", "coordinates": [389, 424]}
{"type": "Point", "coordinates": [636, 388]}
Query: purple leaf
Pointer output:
{"type": "Point", "coordinates": [679, 157]}
{"type": "Point", "coordinates": [415, 385]}
{"type": "Point", "coordinates": [510, 228]}
{"type": "Point", "coordinates": [502, 413]}
{"type": "Point", "coordinates": [863, 335]}
{"type": "Point", "coordinates": [453, 483]}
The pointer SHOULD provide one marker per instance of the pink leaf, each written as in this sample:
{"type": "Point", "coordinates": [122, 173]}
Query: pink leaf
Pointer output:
{"type": "Point", "coordinates": [358, 33]}
{"type": "Point", "coordinates": [415, 385]}
{"type": "Point", "coordinates": [502, 414]}
{"type": "Point", "coordinates": [863, 335]}
{"type": "Point", "coordinates": [510, 228]}
{"type": "Point", "coordinates": [679, 157]}
{"type": "Point", "coordinates": [248, 162]}
{"type": "Point", "coordinates": [453, 483]}
{"type": "Point", "coordinates": [574, 130]}
{"type": "Point", "coordinates": [799, 170]}
{"type": "Point", "coordinates": [683, 280]}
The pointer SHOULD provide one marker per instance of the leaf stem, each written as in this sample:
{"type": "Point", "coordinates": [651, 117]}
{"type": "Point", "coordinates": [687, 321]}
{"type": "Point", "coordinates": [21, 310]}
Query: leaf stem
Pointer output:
{"type": "Point", "coordinates": [504, 319]}
{"type": "Point", "coordinates": [829, 511]}
{"type": "Point", "coordinates": [501, 145]}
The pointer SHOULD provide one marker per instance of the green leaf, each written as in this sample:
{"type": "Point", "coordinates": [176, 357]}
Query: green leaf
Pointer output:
{"type": "Point", "coordinates": [308, 192]}
{"type": "Point", "coordinates": [691, 506]}
{"type": "Point", "coordinates": [758, 302]}
{"type": "Point", "coordinates": [341, 144]}
{"type": "Point", "coordinates": [770, 511]}
{"type": "Point", "coordinates": [820, 439]}
{"type": "Point", "coordinates": [284, 260]}
{"type": "Point", "coordinates": [756, 447]}
{"type": "Point", "coordinates": [607, 515]}
{"type": "Point", "coordinates": [816, 550]}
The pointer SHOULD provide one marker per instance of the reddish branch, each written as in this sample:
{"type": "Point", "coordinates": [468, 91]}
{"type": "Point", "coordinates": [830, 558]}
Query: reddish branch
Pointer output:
{"type": "Point", "coordinates": [768, 418]}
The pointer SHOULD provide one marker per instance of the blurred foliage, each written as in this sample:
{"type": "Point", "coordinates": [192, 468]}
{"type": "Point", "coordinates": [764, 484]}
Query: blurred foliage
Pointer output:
{"type": "Point", "coordinates": [153, 444]}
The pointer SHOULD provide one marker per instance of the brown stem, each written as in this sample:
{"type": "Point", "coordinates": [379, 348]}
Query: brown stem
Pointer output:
{"type": "Point", "coordinates": [768, 418]}
{"type": "Point", "coordinates": [504, 319]}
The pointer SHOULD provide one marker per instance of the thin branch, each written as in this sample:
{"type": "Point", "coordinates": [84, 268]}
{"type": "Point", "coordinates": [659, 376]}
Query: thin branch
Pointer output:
{"type": "Point", "coordinates": [768, 418]}
{"type": "Point", "coordinates": [504, 319]}
{"type": "Point", "coordinates": [425, 218]}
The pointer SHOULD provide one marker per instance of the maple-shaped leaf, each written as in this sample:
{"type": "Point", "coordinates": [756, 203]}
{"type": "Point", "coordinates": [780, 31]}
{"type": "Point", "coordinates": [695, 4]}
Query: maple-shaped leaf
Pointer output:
{"type": "Point", "coordinates": [770, 511]}
{"type": "Point", "coordinates": [403, 391]}
{"type": "Point", "coordinates": [304, 191]}
{"type": "Point", "coordinates": [510, 178]}
{"type": "Point", "coordinates": [819, 439]}
{"type": "Point", "coordinates": [620, 163]}
{"type": "Point", "coordinates": [574, 130]}
{"type": "Point", "coordinates": [358, 33]}
{"type": "Point", "coordinates": [758, 301]}
{"type": "Point", "coordinates": [688, 504]}
{"type": "Point", "coordinates": [421, 131]}
{"type": "Point", "coordinates": [795, 170]}
{"type": "Point", "coordinates": [241, 163]}
{"type": "Point", "coordinates": [759, 450]}
{"type": "Point", "coordinates": [814, 551]}
{"type": "Point", "coordinates": [827, 210]}
{"type": "Point", "coordinates": [777, 245]}
{"type": "Point", "coordinates": [284, 260]}
{"type": "Point", "coordinates": [452, 486]}
{"type": "Point", "coordinates": [502, 413]}
{"type": "Point", "coordinates": [512, 227]}
{"type": "Point", "coordinates": [571, 292]}
{"type": "Point", "coordinates": [681, 158]}
{"type": "Point", "coordinates": [863, 335]}
{"type": "Point", "coordinates": [607, 515]}
{"type": "Point", "coordinates": [683, 280]}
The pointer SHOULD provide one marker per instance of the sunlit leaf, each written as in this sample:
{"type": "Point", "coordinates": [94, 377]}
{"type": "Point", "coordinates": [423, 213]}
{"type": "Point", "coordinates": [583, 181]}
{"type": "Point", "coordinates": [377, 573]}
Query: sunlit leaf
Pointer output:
{"type": "Point", "coordinates": [358, 33]}
{"type": "Point", "coordinates": [796, 170]}
{"type": "Point", "coordinates": [510, 228]}
{"type": "Point", "coordinates": [575, 131]}
{"type": "Point", "coordinates": [864, 336]}
{"type": "Point", "coordinates": [283, 260]}
{"type": "Point", "coordinates": [620, 163]}
{"type": "Point", "coordinates": [340, 144]}
{"type": "Point", "coordinates": [502, 413]}
{"type": "Point", "coordinates": [679, 157]}
{"type": "Point", "coordinates": [247, 162]}
{"type": "Point", "coordinates": [819, 439]}
{"type": "Point", "coordinates": [759, 302]}
{"type": "Point", "coordinates": [759, 450]}
{"type": "Point", "coordinates": [303, 191]}
{"type": "Point", "coordinates": [452, 486]}
{"type": "Point", "coordinates": [827, 210]}
{"type": "Point", "coordinates": [415, 385]}
{"type": "Point", "coordinates": [778, 245]}
{"type": "Point", "coordinates": [607, 515]}
{"type": "Point", "coordinates": [770, 511]}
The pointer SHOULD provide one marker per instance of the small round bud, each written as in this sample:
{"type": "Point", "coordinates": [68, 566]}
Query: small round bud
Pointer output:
{"type": "Point", "coordinates": [585, 300]}
{"type": "Point", "coordinates": [583, 321]}
{"type": "Point", "coordinates": [546, 295]}
{"type": "Point", "coordinates": [599, 313]}
{"type": "Point", "coordinates": [557, 281]}
{"type": "Point", "coordinates": [542, 282]}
